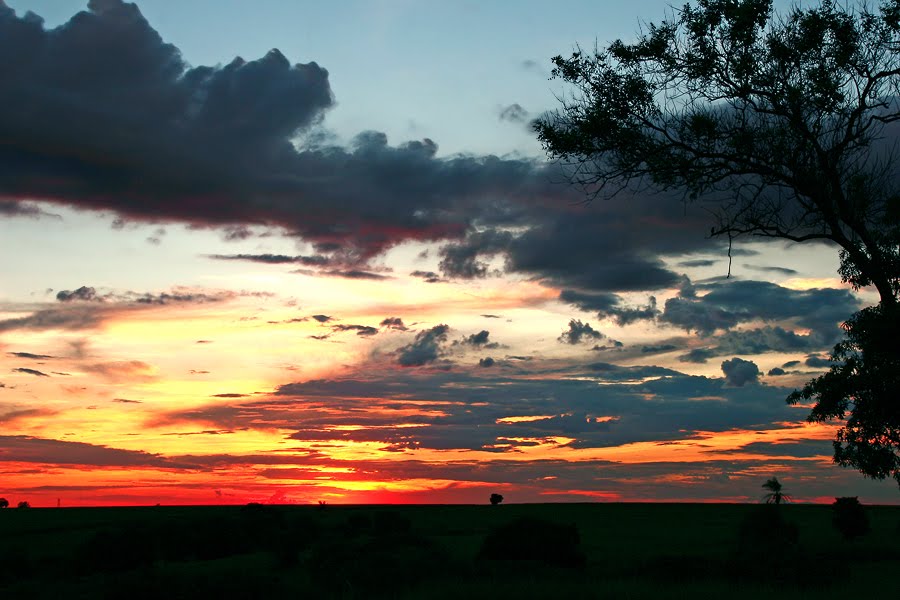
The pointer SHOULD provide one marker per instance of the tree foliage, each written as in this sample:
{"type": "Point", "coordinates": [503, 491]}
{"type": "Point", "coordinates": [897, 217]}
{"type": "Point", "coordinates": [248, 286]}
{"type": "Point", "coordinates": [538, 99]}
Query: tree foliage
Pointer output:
{"type": "Point", "coordinates": [496, 499]}
{"type": "Point", "coordinates": [861, 388]}
{"type": "Point", "coordinates": [849, 517]}
{"type": "Point", "coordinates": [774, 495]}
{"type": "Point", "coordinates": [779, 124]}
{"type": "Point", "coordinates": [4, 503]}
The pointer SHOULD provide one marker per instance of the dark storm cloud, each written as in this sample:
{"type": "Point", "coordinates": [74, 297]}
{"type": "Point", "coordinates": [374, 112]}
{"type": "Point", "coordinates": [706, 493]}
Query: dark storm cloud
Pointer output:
{"type": "Point", "coordinates": [101, 113]}
{"type": "Point", "coordinates": [486, 362]}
{"type": "Point", "coordinates": [464, 259]}
{"type": "Point", "coordinates": [425, 349]}
{"type": "Point", "coordinates": [583, 252]}
{"type": "Point", "coordinates": [739, 372]}
{"type": "Point", "coordinates": [728, 304]}
{"type": "Point", "coordinates": [27, 371]}
{"type": "Point", "coordinates": [776, 371]}
{"type": "Point", "coordinates": [141, 133]}
{"type": "Point", "coordinates": [578, 332]}
{"type": "Point", "coordinates": [626, 315]}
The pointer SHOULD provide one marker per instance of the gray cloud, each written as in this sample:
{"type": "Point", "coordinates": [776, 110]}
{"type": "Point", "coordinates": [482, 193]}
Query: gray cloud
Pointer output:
{"type": "Point", "coordinates": [395, 323]}
{"type": "Point", "coordinates": [578, 332]}
{"type": "Point", "coordinates": [362, 330]}
{"type": "Point", "coordinates": [739, 372]}
{"type": "Point", "coordinates": [514, 113]}
{"type": "Point", "coordinates": [28, 371]}
{"type": "Point", "coordinates": [425, 349]}
{"type": "Point", "coordinates": [728, 304]}
{"type": "Point", "coordinates": [479, 340]}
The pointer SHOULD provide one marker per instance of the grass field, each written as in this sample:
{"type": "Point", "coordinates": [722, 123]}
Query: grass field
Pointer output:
{"type": "Point", "coordinates": [507, 551]}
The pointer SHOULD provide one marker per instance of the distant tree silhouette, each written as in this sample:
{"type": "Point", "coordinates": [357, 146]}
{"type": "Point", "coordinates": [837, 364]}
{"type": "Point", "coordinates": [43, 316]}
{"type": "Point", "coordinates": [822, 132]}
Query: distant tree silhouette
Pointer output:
{"type": "Point", "coordinates": [496, 499]}
{"type": "Point", "coordinates": [4, 503]}
{"type": "Point", "coordinates": [849, 517]}
{"type": "Point", "coordinates": [775, 495]}
{"type": "Point", "coordinates": [23, 504]}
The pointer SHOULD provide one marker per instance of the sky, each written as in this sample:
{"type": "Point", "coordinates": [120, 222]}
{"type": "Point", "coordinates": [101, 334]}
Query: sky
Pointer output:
{"type": "Point", "coordinates": [298, 252]}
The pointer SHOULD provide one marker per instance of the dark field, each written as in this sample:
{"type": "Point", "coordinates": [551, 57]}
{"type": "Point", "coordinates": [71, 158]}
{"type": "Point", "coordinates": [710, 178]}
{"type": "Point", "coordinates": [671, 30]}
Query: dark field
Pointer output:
{"type": "Point", "coordinates": [471, 552]}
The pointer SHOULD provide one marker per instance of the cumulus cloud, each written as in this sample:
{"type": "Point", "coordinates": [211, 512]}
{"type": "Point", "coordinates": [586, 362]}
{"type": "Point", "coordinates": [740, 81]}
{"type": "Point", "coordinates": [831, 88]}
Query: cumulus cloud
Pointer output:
{"type": "Point", "coordinates": [395, 323]}
{"type": "Point", "coordinates": [425, 349]}
{"type": "Point", "coordinates": [739, 372]}
{"type": "Point", "coordinates": [84, 294]}
{"type": "Point", "coordinates": [479, 340]}
{"type": "Point", "coordinates": [578, 332]}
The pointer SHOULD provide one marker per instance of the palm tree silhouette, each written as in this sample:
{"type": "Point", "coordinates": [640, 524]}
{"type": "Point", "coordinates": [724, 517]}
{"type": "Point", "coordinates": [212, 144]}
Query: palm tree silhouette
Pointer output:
{"type": "Point", "coordinates": [775, 495]}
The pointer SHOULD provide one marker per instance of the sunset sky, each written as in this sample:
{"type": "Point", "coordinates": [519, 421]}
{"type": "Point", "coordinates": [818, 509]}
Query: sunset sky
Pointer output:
{"type": "Point", "coordinates": [287, 252]}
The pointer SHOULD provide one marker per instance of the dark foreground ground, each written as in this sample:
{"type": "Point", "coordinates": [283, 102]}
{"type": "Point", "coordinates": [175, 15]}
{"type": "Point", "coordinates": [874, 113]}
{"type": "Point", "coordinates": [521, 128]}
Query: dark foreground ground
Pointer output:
{"type": "Point", "coordinates": [544, 551]}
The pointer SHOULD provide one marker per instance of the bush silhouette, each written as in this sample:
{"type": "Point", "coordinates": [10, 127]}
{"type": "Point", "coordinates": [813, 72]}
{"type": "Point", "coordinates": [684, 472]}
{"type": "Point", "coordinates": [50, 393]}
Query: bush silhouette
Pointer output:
{"type": "Point", "coordinates": [535, 540]}
{"type": "Point", "coordinates": [4, 503]}
{"type": "Point", "coordinates": [767, 544]}
{"type": "Point", "coordinates": [496, 499]}
{"type": "Point", "coordinates": [849, 517]}
{"type": "Point", "coordinates": [23, 504]}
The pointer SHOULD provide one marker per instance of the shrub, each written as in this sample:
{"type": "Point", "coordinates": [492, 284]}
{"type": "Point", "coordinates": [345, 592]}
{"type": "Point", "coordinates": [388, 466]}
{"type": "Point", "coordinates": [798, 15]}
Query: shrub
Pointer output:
{"type": "Point", "coordinates": [849, 517]}
{"type": "Point", "coordinates": [767, 544]}
{"type": "Point", "coordinates": [534, 540]}
{"type": "Point", "coordinates": [496, 499]}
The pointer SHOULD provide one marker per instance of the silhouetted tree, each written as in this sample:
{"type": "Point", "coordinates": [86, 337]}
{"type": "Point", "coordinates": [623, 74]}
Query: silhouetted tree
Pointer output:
{"type": "Point", "coordinates": [4, 503]}
{"type": "Point", "coordinates": [23, 504]}
{"type": "Point", "coordinates": [775, 495]}
{"type": "Point", "coordinates": [777, 118]}
{"type": "Point", "coordinates": [861, 387]}
{"type": "Point", "coordinates": [849, 517]}
{"type": "Point", "coordinates": [496, 499]}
